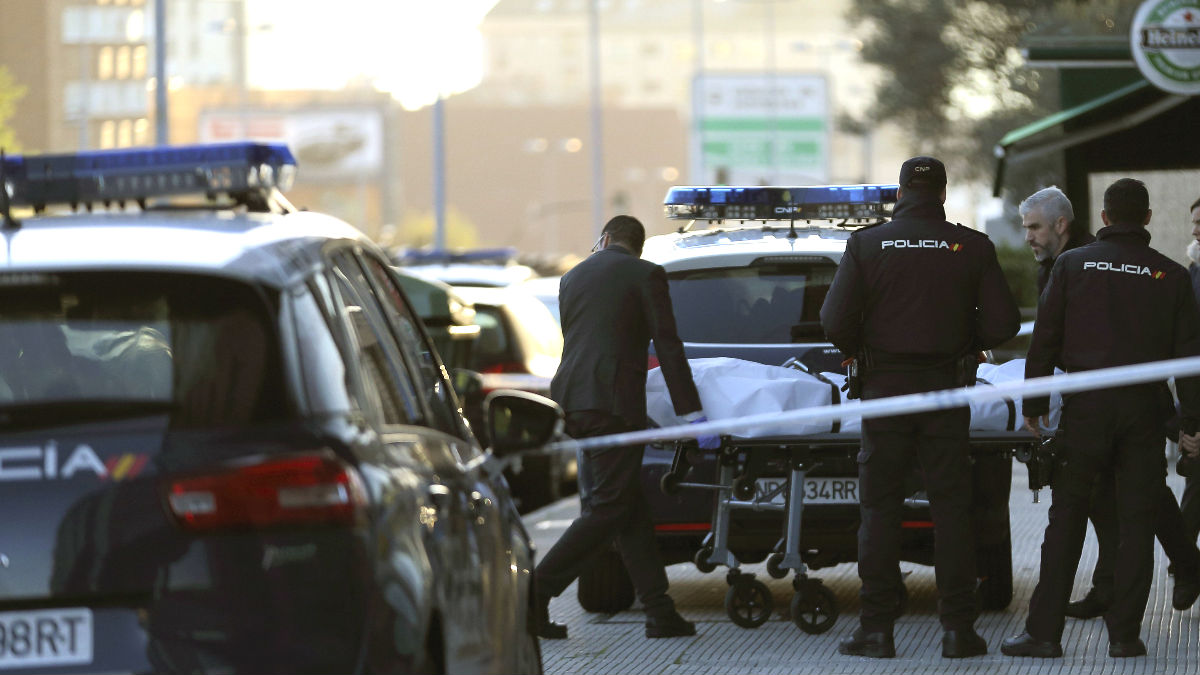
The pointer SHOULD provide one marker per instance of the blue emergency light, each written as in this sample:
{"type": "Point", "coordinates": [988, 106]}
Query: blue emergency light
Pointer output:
{"type": "Point", "coordinates": [248, 172]}
{"type": "Point", "coordinates": [810, 202]}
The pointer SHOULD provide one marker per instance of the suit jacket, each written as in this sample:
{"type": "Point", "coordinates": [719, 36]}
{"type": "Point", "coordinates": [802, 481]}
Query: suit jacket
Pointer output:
{"type": "Point", "coordinates": [612, 305]}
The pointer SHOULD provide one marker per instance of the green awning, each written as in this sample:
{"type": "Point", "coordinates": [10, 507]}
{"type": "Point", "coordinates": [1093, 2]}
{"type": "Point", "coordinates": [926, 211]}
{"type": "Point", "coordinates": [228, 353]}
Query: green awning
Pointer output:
{"type": "Point", "coordinates": [1035, 128]}
{"type": "Point", "coordinates": [1029, 141]}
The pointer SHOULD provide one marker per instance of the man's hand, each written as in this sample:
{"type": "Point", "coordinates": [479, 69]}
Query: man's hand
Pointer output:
{"type": "Point", "coordinates": [1035, 425]}
{"type": "Point", "coordinates": [1190, 445]}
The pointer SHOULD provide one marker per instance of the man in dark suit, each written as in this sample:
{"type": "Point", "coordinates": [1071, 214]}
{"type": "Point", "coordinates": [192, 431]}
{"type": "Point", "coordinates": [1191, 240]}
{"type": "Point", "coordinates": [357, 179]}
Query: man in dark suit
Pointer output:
{"type": "Point", "coordinates": [612, 305]}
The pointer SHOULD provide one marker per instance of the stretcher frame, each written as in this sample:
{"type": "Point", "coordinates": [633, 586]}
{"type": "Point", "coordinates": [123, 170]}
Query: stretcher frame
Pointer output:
{"type": "Point", "coordinates": [748, 602]}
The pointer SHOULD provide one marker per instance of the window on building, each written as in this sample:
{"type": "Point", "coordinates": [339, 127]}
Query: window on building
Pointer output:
{"type": "Point", "coordinates": [124, 133]}
{"type": "Point", "coordinates": [141, 132]}
{"type": "Point", "coordinates": [108, 134]}
{"type": "Point", "coordinates": [139, 62]}
{"type": "Point", "coordinates": [122, 63]}
{"type": "Point", "coordinates": [104, 63]}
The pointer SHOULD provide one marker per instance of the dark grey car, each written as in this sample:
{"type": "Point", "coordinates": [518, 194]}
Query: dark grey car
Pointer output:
{"type": "Point", "coordinates": [228, 445]}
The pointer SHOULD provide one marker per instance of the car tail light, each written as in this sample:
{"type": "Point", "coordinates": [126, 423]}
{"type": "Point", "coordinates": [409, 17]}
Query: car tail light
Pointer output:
{"type": "Point", "coordinates": [506, 367]}
{"type": "Point", "coordinates": [309, 489]}
{"type": "Point", "coordinates": [651, 362]}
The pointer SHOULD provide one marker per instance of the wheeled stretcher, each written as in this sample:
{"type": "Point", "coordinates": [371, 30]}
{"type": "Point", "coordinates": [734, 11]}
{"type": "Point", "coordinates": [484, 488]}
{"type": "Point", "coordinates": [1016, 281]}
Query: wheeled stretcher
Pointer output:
{"type": "Point", "coordinates": [740, 463]}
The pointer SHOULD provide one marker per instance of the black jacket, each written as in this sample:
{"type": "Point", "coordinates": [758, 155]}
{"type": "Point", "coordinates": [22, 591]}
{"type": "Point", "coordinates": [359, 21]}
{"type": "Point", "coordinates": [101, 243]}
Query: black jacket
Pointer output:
{"type": "Point", "coordinates": [1075, 241]}
{"type": "Point", "coordinates": [919, 290]}
{"type": "Point", "coordinates": [612, 305]}
{"type": "Point", "coordinates": [1116, 302]}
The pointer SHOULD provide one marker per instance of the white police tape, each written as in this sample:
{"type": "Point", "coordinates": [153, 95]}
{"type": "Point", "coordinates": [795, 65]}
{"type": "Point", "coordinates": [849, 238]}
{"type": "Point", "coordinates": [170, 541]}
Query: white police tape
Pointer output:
{"type": "Point", "coordinates": [1104, 378]}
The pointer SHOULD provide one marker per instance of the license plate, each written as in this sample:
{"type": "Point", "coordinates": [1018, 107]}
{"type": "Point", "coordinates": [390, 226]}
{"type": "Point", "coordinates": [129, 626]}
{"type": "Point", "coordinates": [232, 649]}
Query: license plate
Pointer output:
{"type": "Point", "coordinates": [48, 637]}
{"type": "Point", "coordinates": [816, 490]}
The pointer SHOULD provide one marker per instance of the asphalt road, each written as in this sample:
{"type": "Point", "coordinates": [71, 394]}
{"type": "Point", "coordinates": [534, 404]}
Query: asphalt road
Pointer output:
{"type": "Point", "coordinates": [601, 643]}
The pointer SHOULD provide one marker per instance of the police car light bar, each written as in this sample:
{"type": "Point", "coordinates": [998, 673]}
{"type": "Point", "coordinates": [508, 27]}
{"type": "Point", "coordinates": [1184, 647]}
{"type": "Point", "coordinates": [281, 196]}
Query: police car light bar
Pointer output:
{"type": "Point", "coordinates": [248, 172]}
{"type": "Point", "coordinates": [812, 202]}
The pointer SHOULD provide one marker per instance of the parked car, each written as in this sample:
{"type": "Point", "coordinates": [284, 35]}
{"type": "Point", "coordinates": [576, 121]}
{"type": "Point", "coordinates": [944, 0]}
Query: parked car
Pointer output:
{"type": "Point", "coordinates": [449, 320]}
{"type": "Point", "coordinates": [751, 287]}
{"type": "Point", "coordinates": [519, 347]}
{"type": "Point", "coordinates": [228, 445]}
{"type": "Point", "coordinates": [546, 290]}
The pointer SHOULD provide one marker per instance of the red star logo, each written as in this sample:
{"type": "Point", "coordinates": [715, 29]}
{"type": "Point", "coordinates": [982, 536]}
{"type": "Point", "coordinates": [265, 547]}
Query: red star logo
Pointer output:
{"type": "Point", "coordinates": [1187, 17]}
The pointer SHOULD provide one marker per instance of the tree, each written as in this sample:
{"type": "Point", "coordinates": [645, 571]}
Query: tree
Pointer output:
{"type": "Point", "coordinates": [954, 78]}
{"type": "Point", "coordinates": [10, 93]}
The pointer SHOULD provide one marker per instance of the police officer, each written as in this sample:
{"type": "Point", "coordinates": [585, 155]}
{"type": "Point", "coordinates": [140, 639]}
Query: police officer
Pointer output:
{"type": "Point", "coordinates": [913, 301]}
{"type": "Point", "coordinates": [1050, 229]}
{"type": "Point", "coordinates": [1115, 302]}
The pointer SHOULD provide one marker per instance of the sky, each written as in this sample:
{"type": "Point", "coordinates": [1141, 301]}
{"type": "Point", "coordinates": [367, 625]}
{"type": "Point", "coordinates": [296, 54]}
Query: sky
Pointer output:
{"type": "Point", "coordinates": [414, 49]}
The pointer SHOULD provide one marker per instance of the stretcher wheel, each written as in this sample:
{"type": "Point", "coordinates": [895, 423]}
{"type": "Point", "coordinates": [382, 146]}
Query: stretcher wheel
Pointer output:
{"type": "Point", "coordinates": [748, 602]}
{"type": "Point", "coordinates": [743, 488]}
{"type": "Point", "coordinates": [814, 607]}
{"type": "Point", "coordinates": [774, 566]}
{"type": "Point", "coordinates": [701, 560]}
{"type": "Point", "coordinates": [669, 484]}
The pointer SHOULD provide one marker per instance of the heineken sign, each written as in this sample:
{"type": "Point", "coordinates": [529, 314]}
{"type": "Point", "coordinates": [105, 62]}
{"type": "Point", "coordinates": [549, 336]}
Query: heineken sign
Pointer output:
{"type": "Point", "coordinates": [1165, 41]}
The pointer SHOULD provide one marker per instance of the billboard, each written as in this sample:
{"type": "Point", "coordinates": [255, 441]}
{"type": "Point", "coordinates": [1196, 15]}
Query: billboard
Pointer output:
{"type": "Point", "coordinates": [760, 129]}
{"type": "Point", "coordinates": [329, 144]}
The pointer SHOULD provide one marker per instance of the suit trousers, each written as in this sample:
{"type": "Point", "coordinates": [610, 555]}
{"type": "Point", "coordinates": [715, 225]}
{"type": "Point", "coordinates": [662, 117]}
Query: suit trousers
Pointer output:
{"type": "Point", "coordinates": [938, 443]}
{"type": "Point", "coordinates": [1118, 431]}
{"type": "Point", "coordinates": [1189, 505]}
{"type": "Point", "coordinates": [614, 509]}
{"type": "Point", "coordinates": [1169, 527]}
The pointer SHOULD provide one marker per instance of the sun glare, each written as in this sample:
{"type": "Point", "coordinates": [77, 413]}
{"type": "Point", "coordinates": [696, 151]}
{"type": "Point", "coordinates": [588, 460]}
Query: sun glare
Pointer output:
{"type": "Point", "coordinates": [414, 49]}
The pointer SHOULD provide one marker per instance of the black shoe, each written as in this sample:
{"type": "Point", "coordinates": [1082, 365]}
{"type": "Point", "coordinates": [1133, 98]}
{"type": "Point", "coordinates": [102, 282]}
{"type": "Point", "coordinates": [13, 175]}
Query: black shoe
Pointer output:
{"type": "Point", "coordinates": [1187, 589]}
{"type": "Point", "coordinates": [1026, 645]}
{"type": "Point", "coordinates": [669, 626]}
{"type": "Point", "coordinates": [546, 628]}
{"type": "Point", "coordinates": [875, 645]}
{"type": "Point", "coordinates": [1091, 606]}
{"type": "Point", "coordinates": [960, 644]}
{"type": "Point", "coordinates": [1122, 649]}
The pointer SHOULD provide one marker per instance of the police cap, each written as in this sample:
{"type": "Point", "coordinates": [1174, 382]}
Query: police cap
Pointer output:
{"type": "Point", "coordinates": [923, 173]}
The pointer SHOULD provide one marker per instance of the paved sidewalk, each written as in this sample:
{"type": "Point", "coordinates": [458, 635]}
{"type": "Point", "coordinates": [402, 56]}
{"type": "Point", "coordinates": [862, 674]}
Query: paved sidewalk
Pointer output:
{"type": "Point", "coordinates": [601, 643]}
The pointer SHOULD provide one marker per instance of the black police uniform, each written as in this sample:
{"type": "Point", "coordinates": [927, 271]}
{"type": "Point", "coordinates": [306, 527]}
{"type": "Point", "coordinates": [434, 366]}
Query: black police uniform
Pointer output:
{"type": "Point", "coordinates": [910, 299]}
{"type": "Point", "coordinates": [1112, 303]}
{"type": "Point", "coordinates": [1189, 504]}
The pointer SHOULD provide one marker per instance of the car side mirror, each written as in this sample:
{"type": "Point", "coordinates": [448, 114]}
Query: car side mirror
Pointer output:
{"type": "Point", "coordinates": [519, 420]}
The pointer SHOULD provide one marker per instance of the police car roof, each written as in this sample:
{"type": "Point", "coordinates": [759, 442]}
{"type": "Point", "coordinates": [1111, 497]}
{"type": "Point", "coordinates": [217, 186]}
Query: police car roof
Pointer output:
{"type": "Point", "coordinates": [272, 249]}
{"type": "Point", "coordinates": [741, 246]}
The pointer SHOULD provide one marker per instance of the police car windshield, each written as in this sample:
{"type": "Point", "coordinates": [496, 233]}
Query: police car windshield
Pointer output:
{"type": "Point", "coordinates": [770, 303]}
{"type": "Point", "coordinates": [88, 342]}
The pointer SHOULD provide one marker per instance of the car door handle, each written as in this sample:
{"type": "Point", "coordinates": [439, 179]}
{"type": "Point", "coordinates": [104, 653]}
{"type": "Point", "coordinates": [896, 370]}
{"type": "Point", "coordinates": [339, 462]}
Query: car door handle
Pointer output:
{"type": "Point", "coordinates": [439, 495]}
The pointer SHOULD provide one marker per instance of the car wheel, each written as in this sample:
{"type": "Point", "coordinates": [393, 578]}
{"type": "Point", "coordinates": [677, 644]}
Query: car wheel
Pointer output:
{"type": "Point", "coordinates": [605, 587]}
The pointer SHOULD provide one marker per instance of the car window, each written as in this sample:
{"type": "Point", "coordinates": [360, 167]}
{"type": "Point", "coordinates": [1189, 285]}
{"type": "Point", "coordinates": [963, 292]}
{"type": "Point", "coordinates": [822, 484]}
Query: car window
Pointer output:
{"type": "Point", "coordinates": [425, 366]}
{"type": "Point", "coordinates": [385, 382]}
{"type": "Point", "coordinates": [540, 333]}
{"type": "Point", "coordinates": [772, 303]}
{"type": "Point", "coordinates": [492, 348]}
{"type": "Point", "coordinates": [204, 347]}
{"type": "Point", "coordinates": [326, 382]}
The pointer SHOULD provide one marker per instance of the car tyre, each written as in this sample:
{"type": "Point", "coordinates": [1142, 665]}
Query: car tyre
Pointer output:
{"type": "Point", "coordinates": [605, 587]}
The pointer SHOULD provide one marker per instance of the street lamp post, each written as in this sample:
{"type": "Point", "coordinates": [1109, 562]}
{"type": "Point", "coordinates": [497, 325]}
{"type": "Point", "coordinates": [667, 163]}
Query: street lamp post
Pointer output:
{"type": "Point", "coordinates": [161, 120]}
{"type": "Point", "coordinates": [597, 121]}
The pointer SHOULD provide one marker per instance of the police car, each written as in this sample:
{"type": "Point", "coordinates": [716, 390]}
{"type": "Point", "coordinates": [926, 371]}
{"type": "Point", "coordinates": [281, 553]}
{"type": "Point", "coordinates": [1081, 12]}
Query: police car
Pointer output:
{"type": "Point", "coordinates": [226, 441]}
{"type": "Point", "coordinates": [751, 287]}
